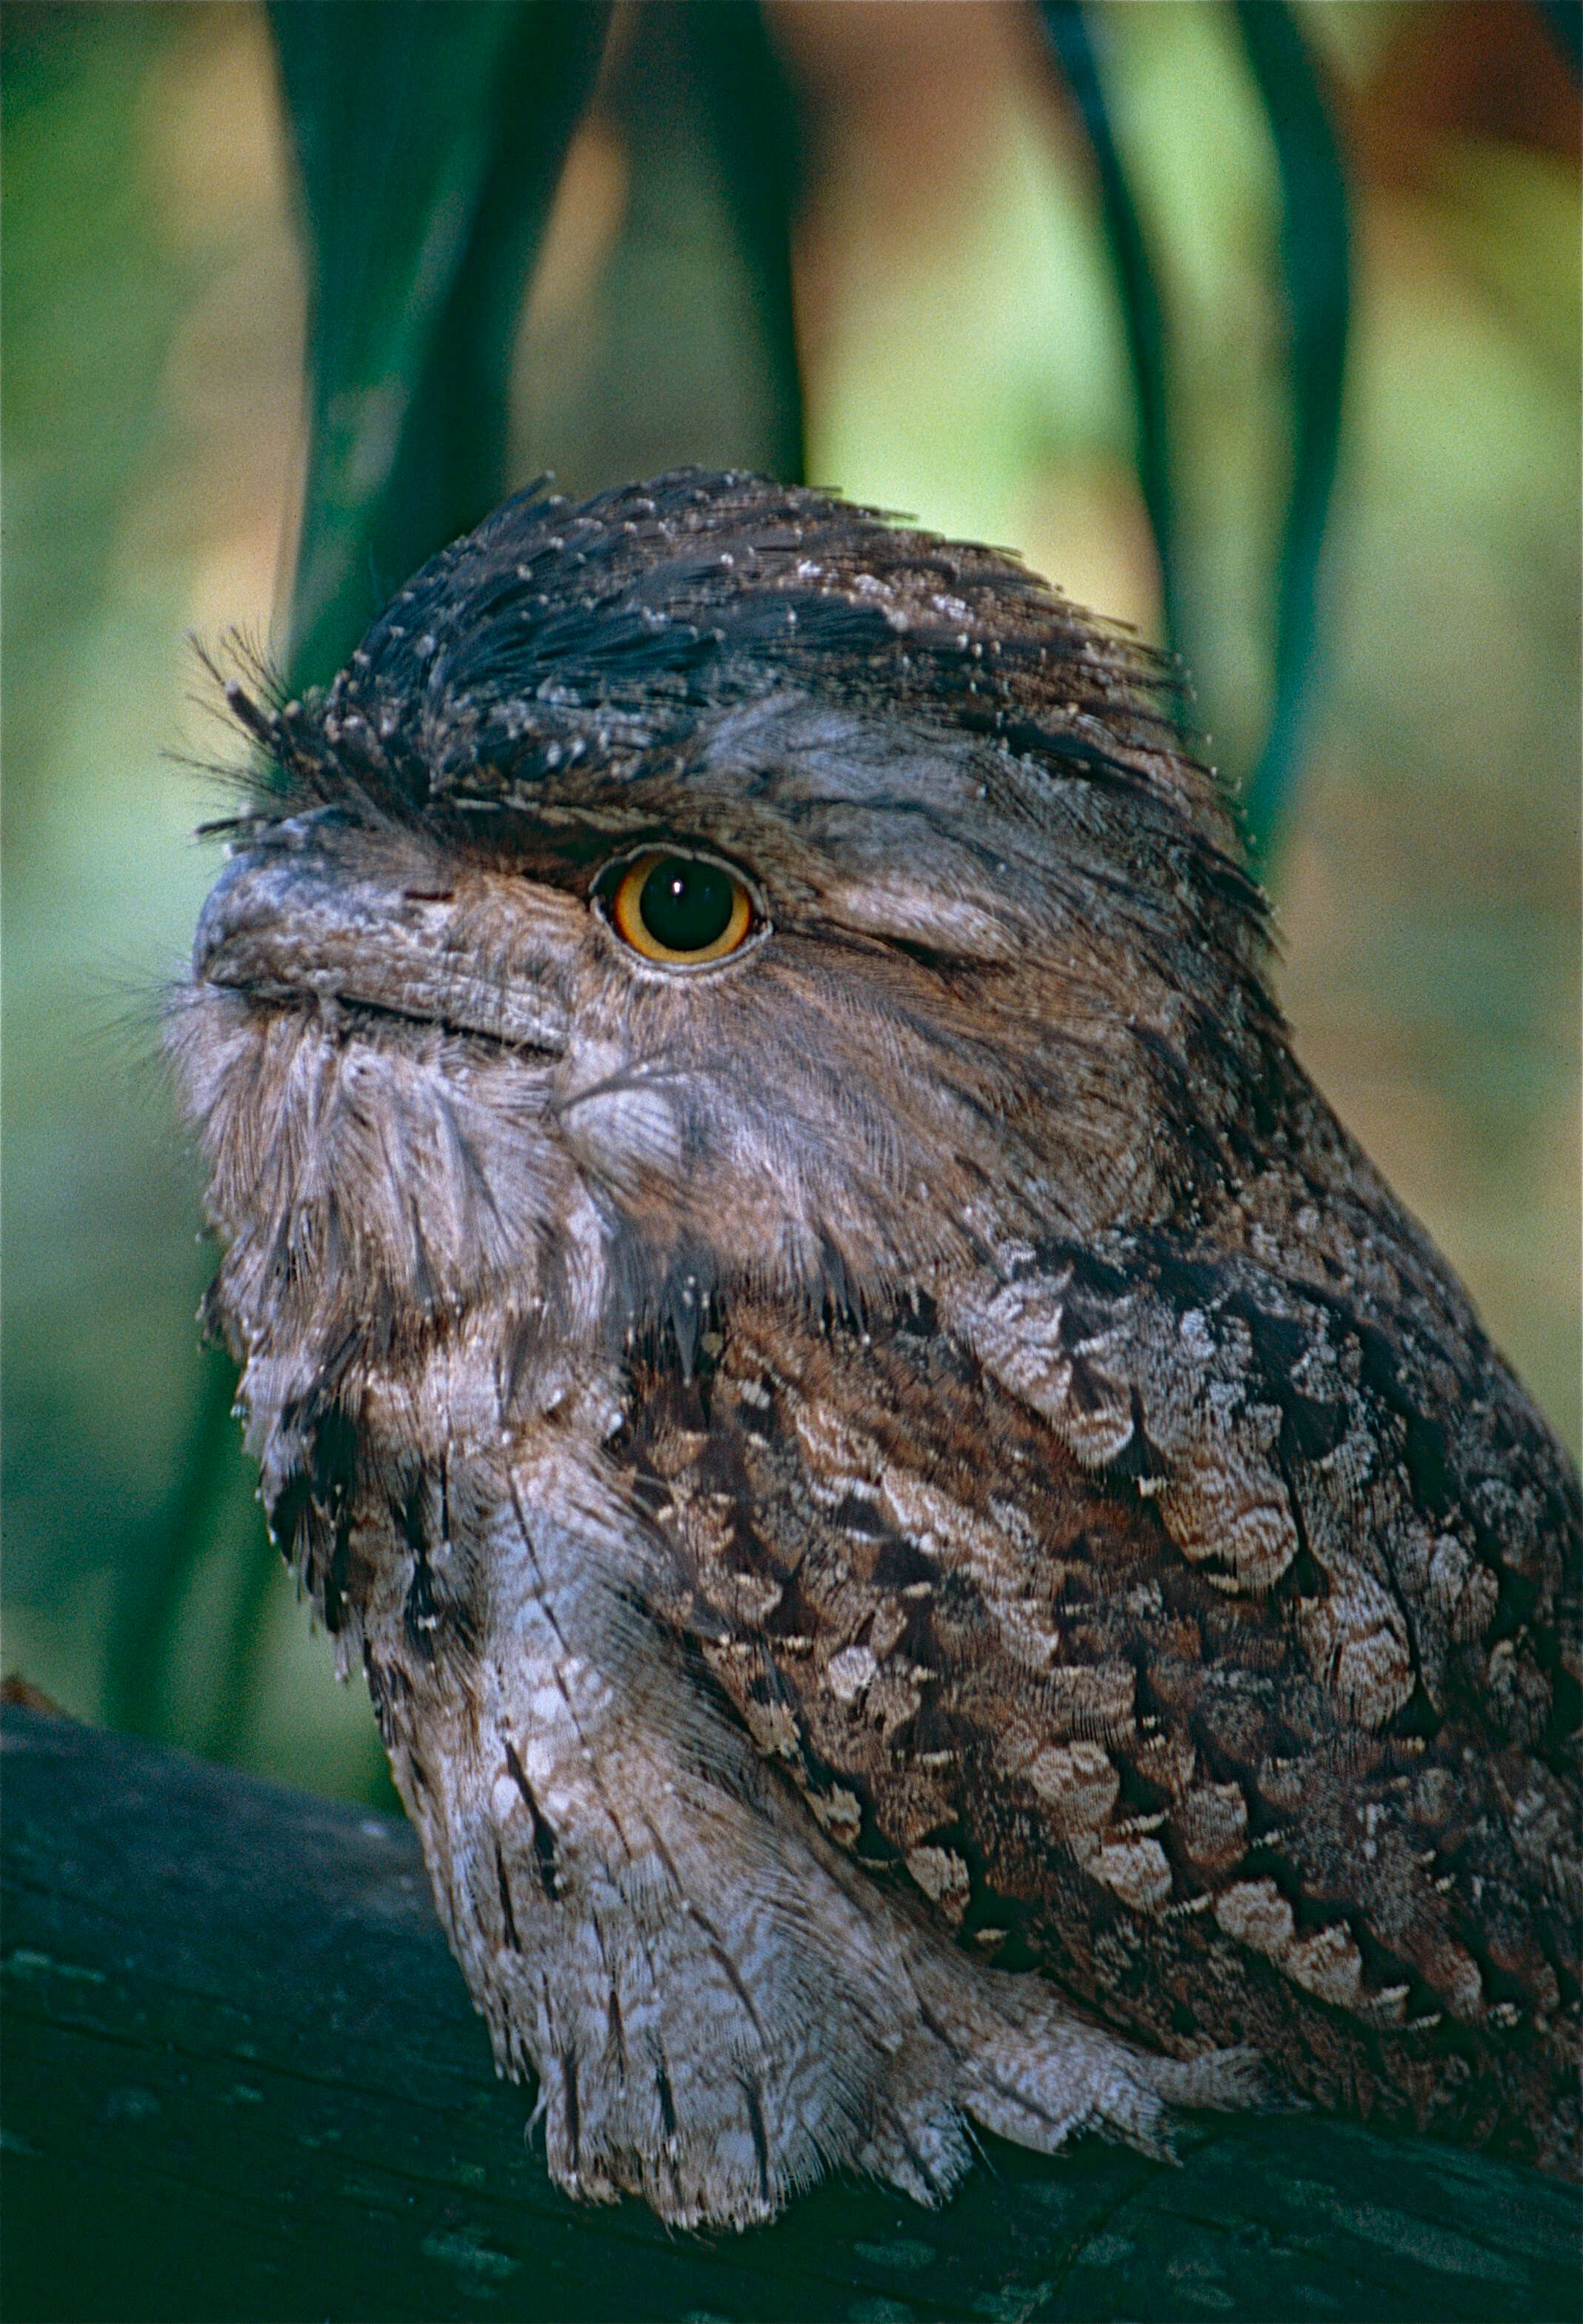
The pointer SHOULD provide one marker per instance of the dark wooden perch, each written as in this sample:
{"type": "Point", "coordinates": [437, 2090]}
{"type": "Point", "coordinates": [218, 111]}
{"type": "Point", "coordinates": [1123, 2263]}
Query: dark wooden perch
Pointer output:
{"type": "Point", "coordinates": [243, 2078]}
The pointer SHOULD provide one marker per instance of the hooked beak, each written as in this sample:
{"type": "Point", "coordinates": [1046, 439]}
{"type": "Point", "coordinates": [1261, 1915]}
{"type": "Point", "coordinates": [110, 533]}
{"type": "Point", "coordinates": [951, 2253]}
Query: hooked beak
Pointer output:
{"type": "Point", "coordinates": [321, 911]}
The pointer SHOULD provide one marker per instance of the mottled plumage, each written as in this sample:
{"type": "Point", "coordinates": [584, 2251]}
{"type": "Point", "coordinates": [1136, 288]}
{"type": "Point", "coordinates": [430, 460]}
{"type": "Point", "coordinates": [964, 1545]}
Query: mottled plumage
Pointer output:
{"type": "Point", "coordinates": [915, 1451]}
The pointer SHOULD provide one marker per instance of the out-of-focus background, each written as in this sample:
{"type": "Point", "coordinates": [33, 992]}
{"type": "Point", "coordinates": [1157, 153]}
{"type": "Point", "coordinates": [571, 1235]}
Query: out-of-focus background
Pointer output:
{"type": "Point", "coordinates": [964, 358]}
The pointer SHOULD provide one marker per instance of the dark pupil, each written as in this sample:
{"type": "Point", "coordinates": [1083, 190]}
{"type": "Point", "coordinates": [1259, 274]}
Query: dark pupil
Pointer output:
{"type": "Point", "coordinates": [686, 905]}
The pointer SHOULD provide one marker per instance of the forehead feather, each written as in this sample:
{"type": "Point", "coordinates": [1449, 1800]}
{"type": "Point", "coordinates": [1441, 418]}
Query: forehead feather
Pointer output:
{"type": "Point", "coordinates": [560, 656]}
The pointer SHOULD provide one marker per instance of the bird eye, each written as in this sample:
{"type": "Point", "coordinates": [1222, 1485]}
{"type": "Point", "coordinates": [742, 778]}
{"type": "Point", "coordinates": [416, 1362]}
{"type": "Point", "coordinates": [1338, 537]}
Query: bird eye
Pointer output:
{"type": "Point", "coordinates": [681, 908]}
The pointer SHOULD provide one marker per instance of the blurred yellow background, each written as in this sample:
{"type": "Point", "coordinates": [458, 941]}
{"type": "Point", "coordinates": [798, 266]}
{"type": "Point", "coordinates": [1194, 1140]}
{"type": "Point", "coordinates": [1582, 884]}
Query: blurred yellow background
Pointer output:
{"type": "Point", "coordinates": [964, 362]}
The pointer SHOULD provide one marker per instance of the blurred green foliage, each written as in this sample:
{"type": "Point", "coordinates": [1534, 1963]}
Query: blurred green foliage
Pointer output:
{"type": "Point", "coordinates": [428, 148]}
{"type": "Point", "coordinates": [970, 352]}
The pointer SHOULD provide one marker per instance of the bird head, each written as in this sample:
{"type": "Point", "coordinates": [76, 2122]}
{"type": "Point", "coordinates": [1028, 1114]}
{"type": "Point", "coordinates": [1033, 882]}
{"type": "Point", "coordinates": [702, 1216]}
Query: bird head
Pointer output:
{"type": "Point", "coordinates": [711, 887]}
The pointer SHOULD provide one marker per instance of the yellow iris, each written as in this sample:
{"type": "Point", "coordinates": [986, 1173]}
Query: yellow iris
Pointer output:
{"type": "Point", "coordinates": [681, 908]}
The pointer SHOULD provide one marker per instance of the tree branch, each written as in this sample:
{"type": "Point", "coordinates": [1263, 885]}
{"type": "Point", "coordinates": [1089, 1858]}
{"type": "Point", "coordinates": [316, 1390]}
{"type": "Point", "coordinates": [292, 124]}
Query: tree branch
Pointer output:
{"type": "Point", "coordinates": [243, 2079]}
